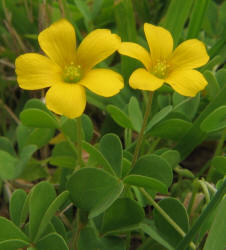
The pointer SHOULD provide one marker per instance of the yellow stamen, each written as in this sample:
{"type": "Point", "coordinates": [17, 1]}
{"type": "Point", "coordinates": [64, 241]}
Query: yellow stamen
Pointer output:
{"type": "Point", "coordinates": [160, 68]}
{"type": "Point", "coordinates": [72, 73]}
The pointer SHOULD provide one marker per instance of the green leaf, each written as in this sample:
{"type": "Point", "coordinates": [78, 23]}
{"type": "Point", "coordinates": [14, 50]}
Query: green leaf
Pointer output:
{"type": "Point", "coordinates": [197, 17]}
{"type": "Point", "coordinates": [152, 231]}
{"type": "Point", "coordinates": [126, 166]}
{"type": "Point", "coordinates": [63, 155]}
{"type": "Point", "coordinates": [158, 117]}
{"type": "Point", "coordinates": [219, 162]}
{"type": "Point", "coordinates": [6, 145]}
{"type": "Point", "coordinates": [8, 165]}
{"type": "Point", "coordinates": [194, 135]}
{"type": "Point", "coordinates": [37, 136]}
{"type": "Point", "coordinates": [13, 244]}
{"type": "Point", "coordinates": [213, 86]}
{"type": "Point", "coordinates": [203, 217]}
{"type": "Point", "coordinates": [172, 157]}
{"type": "Point", "coordinates": [16, 205]}
{"type": "Point", "coordinates": [135, 114]}
{"type": "Point", "coordinates": [42, 196]}
{"type": "Point", "coordinates": [89, 240]}
{"type": "Point", "coordinates": [215, 121]}
{"type": "Point", "coordinates": [111, 148]}
{"type": "Point", "coordinates": [50, 212]}
{"type": "Point", "coordinates": [52, 241]}
{"type": "Point", "coordinates": [186, 106]}
{"type": "Point", "coordinates": [9, 231]}
{"type": "Point", "coordinates": [93, 190]}
{"type": "Point", "coordinates": [176, 212]}
{"type": "Point", "coordinates": [33, 170]}
{"type": "Point", "coordinates": [98, 156]}
{"type": "Point", "coordinates": [38, 118]}
{"type": "Point", "coordinates": [69, 128]}
{"type": "Point", "coordinates": [176, 17]}
{"type": "Point", "coordinates": [59, 226]}
{"type": "Point", "coordinates": [173, 129]}
{"type": "Point", "coordinates": [154, 166]}
{"type": "Point", "coordinates": [216, 236]}
{"type": "Point", "coordinates": [119, 116]}
{"type": "Point", "coordinates": [83, 8]}
{"type": "Point", "coordinates": [122, 214]}
{"type": "Point", "coordinates": [146, 182]}
{"type": "Point", "coordinates": [37, 104]}
{"type": "Point", "coordinates": [87, 126]}
{"type": "Point", "coordinates": [25, 156]}
{"type": "Point", "coordinates": [25, 209]}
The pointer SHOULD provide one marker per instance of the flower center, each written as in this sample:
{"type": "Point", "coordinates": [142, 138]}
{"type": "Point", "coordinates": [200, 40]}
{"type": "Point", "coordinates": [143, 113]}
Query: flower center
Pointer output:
{"type": "Point", "coordinates": [160, 68]}
{"type": "Point", "coordinates": [72, 73]}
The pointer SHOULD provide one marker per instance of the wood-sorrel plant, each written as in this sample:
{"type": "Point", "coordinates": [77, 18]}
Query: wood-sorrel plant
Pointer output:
{"type": "Point", "coordinates": [116, 177]}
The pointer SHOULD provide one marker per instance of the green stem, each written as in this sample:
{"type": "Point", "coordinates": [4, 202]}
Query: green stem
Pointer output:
{"type": "Point", "coordinates": [194, 192]}
{"type": "Point", "coordinates": [79, 142]}
{"type": "Point", "coordinates": [141, 134]}
{"type": "Point", "coordinates": [128, 137]}
{"type": "Point", "coordinates": [217, 152]}
{"type": "Point", "coordinates": [205, 190]}
{"type": "Point", "coordinates": [165, 215]}
{"type": "Point", "coordinates": [208, 210]}
{"type": "Point", "coordinates": [71, 143]}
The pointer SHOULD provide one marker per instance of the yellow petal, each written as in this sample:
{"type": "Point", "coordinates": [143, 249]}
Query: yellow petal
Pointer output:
{"type": "Point", "coordinates": [187, 82]}
{"type": "Point", "coordinates": [58, 41]}
{"type": "Point", "coordinates": [96, 46]}
{"type": "Point", "coordinates": [136, 51]}
{"type": "Point", "coordinates": [142, 79]}
{"type": "Point", "coordinates": [103, 82]}
{"type": "Point", "coordinates": [66, 99]}
{"type": "Point", "coordinates": [35, 71]}
{"type": "Point", "coordinates": [159, 40]}
{"type": "Point", "coordinates": [189, 55]}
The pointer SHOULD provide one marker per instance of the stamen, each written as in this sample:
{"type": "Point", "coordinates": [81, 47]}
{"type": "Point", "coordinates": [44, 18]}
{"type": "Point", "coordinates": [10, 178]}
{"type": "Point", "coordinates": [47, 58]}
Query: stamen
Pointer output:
{"type": "Point", "coordinates": [160, 68]}
{"type": "Point", "coordinates": [72, 73]}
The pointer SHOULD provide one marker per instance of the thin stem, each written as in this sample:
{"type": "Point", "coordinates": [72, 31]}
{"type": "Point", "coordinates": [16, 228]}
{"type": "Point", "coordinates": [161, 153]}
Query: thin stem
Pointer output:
{"type": "Point", "coordinates": [141, 134]}
{"type": "Point", "coordinates": [14, 117]}
{"type": "Point", "coordinates": [205, 190]}
{"type": "Point", "coordinates": [217, 152]}
{"type": "Point", "coordinates": [79, 142]}
{"type": "Point", "coordinates": [192, 199]}
{"type": "Point", "coordinates": [166, 216]}
{"type": "Point", "coordinates": [208, 210]}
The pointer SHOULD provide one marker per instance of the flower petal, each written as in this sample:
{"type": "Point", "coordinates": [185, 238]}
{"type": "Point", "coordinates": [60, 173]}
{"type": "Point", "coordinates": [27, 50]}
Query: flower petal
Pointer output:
{"type": "Point", "coordinates": [187, 82]}
{"type": "Point", "coordinates": [66, 99]}
{"type": "Point", "coordinates": [136, 51]}
{"type": "Point", "coordinates": [35, 71]}
{"type": "Point", "coordinates": [189, 55]}
{"type": "Point", "coordinates": [96, 46]}
{"type": "Point", "coordinates": [142, 79]}
{"type": "Point", "coordinates": [103, 82]}
{"type": "Point", "coordinates": [159, 40]}
{"type": "Point", "coordinates": [58, 41]}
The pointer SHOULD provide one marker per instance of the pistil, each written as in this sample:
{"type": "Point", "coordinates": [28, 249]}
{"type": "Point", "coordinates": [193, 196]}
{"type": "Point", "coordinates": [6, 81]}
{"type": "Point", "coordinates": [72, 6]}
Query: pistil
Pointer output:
{"type": "Point", "coordinates": [72, 73]}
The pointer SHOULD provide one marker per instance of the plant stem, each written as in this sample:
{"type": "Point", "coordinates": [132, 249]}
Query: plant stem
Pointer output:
{"type": "Point", "coordinates": [208, 210]}
{"type": "Point", "coordinates": [192, 199]}
{"type": "Point", "coordinates": [205, 190]}
{"type": "Point", "coordinates": [79, 142]}
{"type": "Point", "coordinates": [165, 215]}
{"type": "Point", "coordinates": [217, 152]}
{"type": "Point", "coordinates": [14, 117]}
{"type": "Point", "coordinates": [141, 134]}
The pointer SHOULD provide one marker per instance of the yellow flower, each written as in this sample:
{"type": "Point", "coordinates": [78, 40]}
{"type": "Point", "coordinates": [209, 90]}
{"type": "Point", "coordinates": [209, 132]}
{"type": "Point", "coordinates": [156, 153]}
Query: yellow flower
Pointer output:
{"type": "Point", "coordinates": [68, 71]}
{"type": "Point", "coordinates": [165, 65]}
